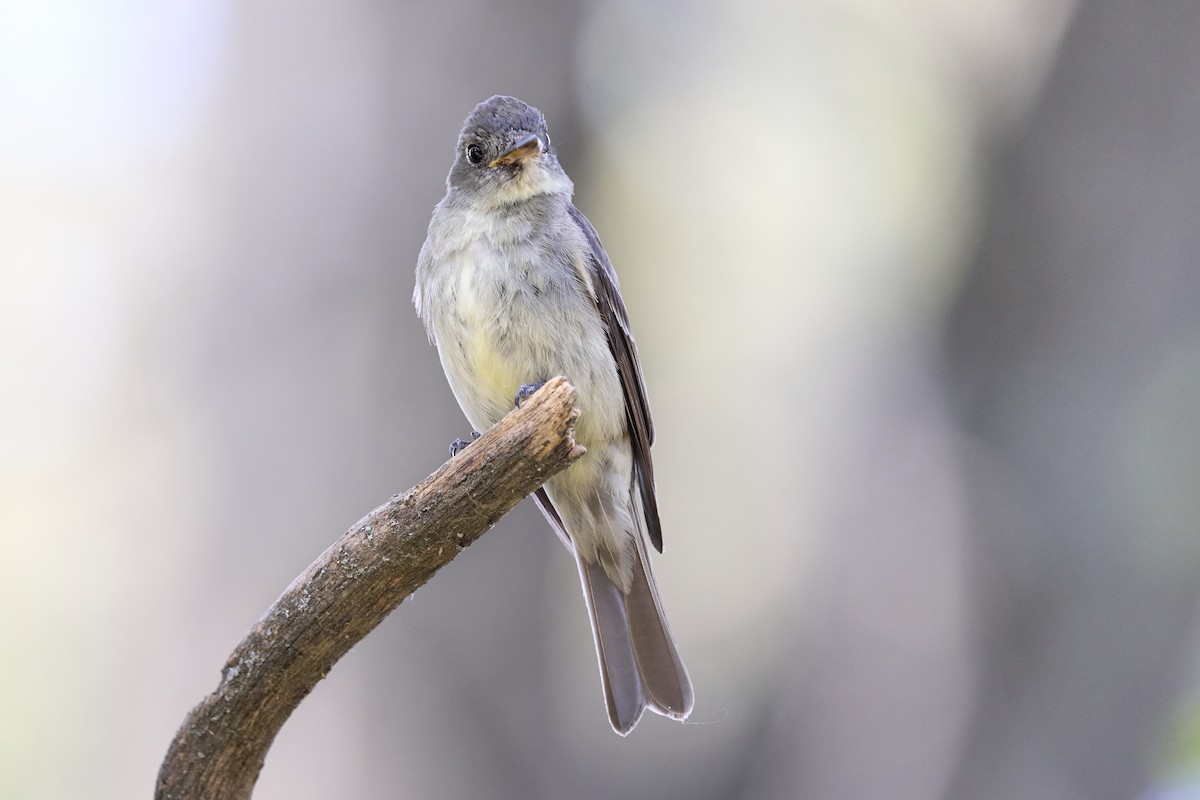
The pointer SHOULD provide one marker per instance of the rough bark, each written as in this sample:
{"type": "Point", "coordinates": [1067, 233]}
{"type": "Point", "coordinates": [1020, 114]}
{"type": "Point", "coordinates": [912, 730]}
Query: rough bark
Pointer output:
{"type": "Point", "coordinates": [219, 750]}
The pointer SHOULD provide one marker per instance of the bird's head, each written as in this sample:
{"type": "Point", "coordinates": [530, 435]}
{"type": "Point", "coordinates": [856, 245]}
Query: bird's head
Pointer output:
{"type": "Point", "coordinates": [505, 156]}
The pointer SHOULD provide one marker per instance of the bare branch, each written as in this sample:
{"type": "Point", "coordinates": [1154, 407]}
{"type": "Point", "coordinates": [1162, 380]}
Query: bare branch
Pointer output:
{"type": "Point", "coordinates": [219, 750]}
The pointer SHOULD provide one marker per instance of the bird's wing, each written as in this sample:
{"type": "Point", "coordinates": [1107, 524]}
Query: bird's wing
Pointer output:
{"type": "Point", "coordinates": [603, 280]}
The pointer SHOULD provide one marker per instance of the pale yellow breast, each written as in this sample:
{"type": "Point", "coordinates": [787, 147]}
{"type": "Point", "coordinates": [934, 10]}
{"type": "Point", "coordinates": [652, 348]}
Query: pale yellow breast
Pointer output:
{"type": "Point", "coordinates": [484, 376]}
{"type": "Point", "coordinates": [494, 334]}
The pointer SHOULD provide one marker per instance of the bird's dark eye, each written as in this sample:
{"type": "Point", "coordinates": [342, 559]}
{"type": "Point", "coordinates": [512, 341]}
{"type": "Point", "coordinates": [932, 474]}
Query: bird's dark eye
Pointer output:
{"type": "Point", "coordinates": [474, 153]}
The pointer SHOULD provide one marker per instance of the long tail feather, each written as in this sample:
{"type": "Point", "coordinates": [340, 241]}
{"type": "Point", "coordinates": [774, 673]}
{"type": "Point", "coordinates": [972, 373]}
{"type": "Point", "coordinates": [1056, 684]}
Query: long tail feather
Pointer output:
{"type": "Point", "coordinates": [640, 666]}
{"type": "Point", "coordinates": [618, 667]}
{"type": "Point", "coordinates": [665, 680]}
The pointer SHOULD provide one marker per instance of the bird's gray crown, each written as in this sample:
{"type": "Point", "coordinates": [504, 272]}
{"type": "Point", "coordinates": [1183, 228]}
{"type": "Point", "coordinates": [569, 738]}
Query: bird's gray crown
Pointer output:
{"type": "Point", "coordinates": [506, 116]}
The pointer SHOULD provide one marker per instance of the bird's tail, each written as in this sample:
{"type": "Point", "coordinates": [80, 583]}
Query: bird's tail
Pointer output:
{"type": "Point", "coordinates": [640, 666]}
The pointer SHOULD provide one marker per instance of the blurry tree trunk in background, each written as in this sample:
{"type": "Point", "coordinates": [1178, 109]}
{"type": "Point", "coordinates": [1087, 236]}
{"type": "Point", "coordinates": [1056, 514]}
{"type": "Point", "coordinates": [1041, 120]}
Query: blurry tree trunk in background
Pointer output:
{"type": "Point", "coordinates": [1075, 361]}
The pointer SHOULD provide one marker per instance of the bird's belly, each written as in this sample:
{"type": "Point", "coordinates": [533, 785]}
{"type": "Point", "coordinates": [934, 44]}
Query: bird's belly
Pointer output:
{"type": "Point", "coordinates": [484, 373]}
{"type": "Point", "coordinates": [498, 332]}
{"type": "Point", "coordinates": [491, 376]}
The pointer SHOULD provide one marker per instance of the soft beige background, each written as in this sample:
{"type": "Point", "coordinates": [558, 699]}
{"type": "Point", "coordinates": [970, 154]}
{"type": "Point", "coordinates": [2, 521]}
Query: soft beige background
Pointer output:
{"type": "Point", "coordinates": [916, 289]}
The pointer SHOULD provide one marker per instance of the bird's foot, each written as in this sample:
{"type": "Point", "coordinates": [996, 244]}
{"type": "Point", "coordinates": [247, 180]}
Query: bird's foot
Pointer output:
{"type": "Point", "coordinates": [458, 445]}
{"type": "Point", "coordinates": [526, 391]}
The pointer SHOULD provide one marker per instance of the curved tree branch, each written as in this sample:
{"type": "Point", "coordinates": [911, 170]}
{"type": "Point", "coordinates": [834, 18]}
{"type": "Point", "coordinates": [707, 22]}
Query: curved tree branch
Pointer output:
{"type": "Point", "coordinates": [219, 750]}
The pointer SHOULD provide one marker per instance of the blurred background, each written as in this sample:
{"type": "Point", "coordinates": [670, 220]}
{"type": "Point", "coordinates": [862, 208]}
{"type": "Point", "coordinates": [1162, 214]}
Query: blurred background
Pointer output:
{"type": "Point", "coordinates": [916, 291]}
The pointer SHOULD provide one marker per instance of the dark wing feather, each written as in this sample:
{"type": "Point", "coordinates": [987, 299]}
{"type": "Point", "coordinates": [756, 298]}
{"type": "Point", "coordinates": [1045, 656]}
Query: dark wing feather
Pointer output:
{"type": "Point", "coordinates": [620, 341]}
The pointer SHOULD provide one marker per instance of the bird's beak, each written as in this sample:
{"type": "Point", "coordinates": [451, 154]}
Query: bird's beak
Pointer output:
{"type": "Point", "coordinates": [527, 147]}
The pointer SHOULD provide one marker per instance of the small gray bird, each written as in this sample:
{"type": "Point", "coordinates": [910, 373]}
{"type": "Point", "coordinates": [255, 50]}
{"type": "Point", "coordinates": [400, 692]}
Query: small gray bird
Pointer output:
{"type": "Point", "coordinates": [514, 288]}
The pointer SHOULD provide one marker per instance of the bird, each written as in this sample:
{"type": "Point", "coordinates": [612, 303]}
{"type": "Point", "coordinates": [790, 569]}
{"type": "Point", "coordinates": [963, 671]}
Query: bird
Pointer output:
{"type": "Point", "coordinates": [514, 287]}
